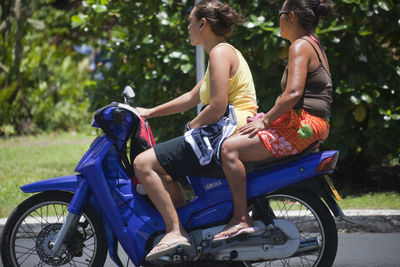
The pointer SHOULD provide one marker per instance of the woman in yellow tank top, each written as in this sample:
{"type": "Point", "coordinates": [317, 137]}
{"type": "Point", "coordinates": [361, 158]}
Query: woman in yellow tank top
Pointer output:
{"type": "Point", "coordinates": [228, 81]}
{"type": "Point", "coordinates": [241, 91]}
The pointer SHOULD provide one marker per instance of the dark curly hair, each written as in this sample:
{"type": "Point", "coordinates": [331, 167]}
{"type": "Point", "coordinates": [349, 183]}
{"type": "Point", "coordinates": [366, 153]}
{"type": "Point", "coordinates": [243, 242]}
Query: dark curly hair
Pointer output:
{"type": "Point", "coordinates": [221, 17]}
{"type": "Point", "coordinates": [308, 12]}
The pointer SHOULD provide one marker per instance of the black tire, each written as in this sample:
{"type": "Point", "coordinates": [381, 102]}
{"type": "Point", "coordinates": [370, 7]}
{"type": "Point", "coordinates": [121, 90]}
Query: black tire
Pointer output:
{"type": "Point", "coordinates": [200, 264]}
{"type": "Point", "coordinates": [37, 219]}
{"type": "Point", "coordinates": [314, 222]}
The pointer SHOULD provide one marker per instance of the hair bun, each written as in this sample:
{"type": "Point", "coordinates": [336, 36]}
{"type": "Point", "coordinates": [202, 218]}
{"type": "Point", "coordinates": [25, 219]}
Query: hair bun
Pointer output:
{"type": "Point", "coordinates": [221, 17]}
{"type": "Point", "coordinates": [323, 9]}
{"type": "Point", "coordinates": [228, 15]}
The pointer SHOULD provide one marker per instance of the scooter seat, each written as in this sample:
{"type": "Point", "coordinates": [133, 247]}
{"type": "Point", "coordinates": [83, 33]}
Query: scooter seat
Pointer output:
{"type": "Point", "coordinates": [215, 171]}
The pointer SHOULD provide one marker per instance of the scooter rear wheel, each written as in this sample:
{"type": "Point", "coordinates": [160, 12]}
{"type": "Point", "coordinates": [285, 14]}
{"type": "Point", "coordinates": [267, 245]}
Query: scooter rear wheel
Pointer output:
{"type": "Point", "coordinates": [30, 229]}
{"type": "Point", "coordinates": [318, 233]}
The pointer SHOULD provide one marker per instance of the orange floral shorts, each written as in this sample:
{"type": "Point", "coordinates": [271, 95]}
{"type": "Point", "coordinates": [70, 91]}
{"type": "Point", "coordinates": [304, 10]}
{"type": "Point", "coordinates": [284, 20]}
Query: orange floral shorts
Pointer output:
{"type": "Point", "coordinates": [294, 132]}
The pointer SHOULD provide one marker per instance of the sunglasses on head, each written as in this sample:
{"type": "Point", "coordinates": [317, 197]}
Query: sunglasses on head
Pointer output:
{"type": "Point", "coordinates": [286, 12]}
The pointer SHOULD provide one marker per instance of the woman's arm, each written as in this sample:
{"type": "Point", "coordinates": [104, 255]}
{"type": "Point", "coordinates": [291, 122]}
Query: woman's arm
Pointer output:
{"type": "Point", "coordinates": [299, 59]}
{"type": "Point", "coordinates": [221, 61]}
{"type": "Point", "coordinates": [179, 104]}
{"type": "Point", "coordinates": [298, 67]}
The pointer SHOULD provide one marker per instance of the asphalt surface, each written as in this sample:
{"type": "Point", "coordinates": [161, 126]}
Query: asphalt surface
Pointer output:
{"type": "Point", "coordinates": [368, 250]}
{"type": "Point", "coordinates": [362, 221]}
{"type": "Point", "coordinates": [354, 250]}
{"type": "Point", "coordinates": [370, 221]}
{"type": "Point", "coordinates": [371, 239]}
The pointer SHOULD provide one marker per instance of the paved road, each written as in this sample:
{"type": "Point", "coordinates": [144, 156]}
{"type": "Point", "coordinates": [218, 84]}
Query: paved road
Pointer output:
{"type": "Point", "coordinates": [372, 250]}
{"type": "Point", "coordinates": [355, 250]}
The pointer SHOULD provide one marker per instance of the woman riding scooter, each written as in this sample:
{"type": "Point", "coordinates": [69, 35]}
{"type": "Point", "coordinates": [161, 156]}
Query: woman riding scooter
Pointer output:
{"type": "Point", "coordinates": [228, 80]}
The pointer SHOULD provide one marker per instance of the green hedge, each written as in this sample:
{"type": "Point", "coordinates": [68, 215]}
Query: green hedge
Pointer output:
{"type": "Point", "coordinates": [42, 78]}
{"type": "Point", "coordinates": [145, 44]}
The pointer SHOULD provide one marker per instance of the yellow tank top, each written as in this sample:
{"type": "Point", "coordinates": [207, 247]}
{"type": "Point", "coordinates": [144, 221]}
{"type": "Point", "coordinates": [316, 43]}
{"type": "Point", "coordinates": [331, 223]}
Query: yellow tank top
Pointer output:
{"type": "Point", "coordinates": [241, 92]}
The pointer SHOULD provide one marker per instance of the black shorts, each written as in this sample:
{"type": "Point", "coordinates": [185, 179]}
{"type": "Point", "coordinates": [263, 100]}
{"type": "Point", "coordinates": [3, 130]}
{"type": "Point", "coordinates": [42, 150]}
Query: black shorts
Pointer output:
{"type": "Point", "coordinates": [177, 158]}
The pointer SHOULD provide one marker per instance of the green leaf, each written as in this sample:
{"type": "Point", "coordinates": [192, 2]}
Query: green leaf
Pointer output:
{"type": "Point", "coordinates": [384, 5]}
{"type": "Point", "coordinates": [394, 162]}
{"type": "Point", "coordinates": [7, 129]}
{"type": "Point", "coordinates": [335, 40]}
{"type": "Point", "coordinates": [78, 20]}
{"type": "Point", "coordinates": [364, 6]}
{"type": "Point", "coordinates": [37, 24]}
{"type": "Point", "coordinates": [335, 28]}
{"type": "Point", "coordinates": [365, 32]}
{"type": "Point", "coordinates": [119, 33]}
{"type": "Point", "coordinates": [350, 1]}
{"type": "Point", "coordinates": [355, 100]}
{"type": "Point", "coordinates": [175, 54]}
{"type": "Point", "coordinates": [99, 8]}
{"type": "Point", "coordinates": [366, 98]}
{"type": "Point", "coordinates": [249, 25]}
{"type": "Point", "coordinates": [384, 112]}
{"type": "Point", "coordinates": [148, 39]}
{"type": "Point", "coordinates": [185, 68]}
{"type": "Point", "coordinates": [395, 117]}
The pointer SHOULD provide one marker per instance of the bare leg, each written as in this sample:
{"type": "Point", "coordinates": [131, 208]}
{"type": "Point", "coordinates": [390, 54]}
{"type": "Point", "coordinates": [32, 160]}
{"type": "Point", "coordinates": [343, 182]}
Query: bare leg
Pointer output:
{"type": "Point", "coordinates": [176, 191]}
{"type": "Point", "coordinates": [236, 150]}
{"type": "Point", "coordinates": [148, 171]}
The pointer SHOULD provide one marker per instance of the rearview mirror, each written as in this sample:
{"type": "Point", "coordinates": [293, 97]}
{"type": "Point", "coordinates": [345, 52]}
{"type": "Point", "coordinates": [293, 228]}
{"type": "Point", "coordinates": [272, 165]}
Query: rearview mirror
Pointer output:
{"type": "Point", "coordinates": [128, 94]}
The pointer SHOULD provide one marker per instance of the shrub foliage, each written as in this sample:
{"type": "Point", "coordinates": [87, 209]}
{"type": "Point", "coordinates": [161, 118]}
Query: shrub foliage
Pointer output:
{"type": "Point", "coordinates": [45, 84]}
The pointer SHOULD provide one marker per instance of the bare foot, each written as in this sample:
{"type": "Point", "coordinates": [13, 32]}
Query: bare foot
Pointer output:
{"type": "Point", "coordinates": [168, 244]}
{"type": "Point", "coordinates": [236, 227]}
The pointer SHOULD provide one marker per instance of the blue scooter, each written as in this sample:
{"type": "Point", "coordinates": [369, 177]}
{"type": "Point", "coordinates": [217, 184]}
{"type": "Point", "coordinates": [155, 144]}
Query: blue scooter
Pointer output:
{"type": "Point", "coordinates": [74, 220]}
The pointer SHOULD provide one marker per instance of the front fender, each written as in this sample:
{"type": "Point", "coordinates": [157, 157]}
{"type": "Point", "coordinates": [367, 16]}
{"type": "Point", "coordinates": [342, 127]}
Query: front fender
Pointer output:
{"type": "Point", "coordinates": [64, 183]}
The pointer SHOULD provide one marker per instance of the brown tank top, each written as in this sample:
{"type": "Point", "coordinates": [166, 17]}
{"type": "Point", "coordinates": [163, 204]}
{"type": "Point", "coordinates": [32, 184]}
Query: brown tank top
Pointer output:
{"type": "Point", "coordinates": [317, 96]}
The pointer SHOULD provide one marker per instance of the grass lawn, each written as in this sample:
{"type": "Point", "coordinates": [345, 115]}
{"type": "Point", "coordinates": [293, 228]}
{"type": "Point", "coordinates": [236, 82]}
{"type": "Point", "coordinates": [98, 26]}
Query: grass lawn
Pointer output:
{"type": "Point", "coordinates": [27, 159]}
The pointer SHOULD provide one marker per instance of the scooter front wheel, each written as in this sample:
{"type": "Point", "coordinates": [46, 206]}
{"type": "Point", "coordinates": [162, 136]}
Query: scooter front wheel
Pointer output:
{"type": "Point", "coordinates": [32, 227]}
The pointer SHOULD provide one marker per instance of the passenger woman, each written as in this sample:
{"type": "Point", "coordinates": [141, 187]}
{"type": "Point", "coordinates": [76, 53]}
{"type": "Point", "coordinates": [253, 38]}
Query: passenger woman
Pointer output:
{"type": "Point", "coordinates": [300, 116]}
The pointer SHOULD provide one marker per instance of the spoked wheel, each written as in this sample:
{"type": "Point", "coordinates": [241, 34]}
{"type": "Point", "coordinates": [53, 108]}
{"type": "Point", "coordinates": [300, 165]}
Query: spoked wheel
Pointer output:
{"type": "Point", "coordinates": [317, 228]}
{"type": "Point", "coordinates": [32, 227]}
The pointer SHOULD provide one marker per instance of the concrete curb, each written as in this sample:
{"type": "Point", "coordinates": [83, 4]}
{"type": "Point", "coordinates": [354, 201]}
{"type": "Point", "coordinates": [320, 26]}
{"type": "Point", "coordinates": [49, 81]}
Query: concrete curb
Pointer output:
{"type": "Point", "coordinates": [364, 221]}
{"type": "Point", "coordinates": [370, 221]}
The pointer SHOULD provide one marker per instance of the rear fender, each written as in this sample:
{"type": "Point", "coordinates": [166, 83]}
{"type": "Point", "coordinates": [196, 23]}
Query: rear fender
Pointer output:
{"type": "Point", "coordinates": [318, 187]}
{"type": "Point", "coordinates": [64, 183]}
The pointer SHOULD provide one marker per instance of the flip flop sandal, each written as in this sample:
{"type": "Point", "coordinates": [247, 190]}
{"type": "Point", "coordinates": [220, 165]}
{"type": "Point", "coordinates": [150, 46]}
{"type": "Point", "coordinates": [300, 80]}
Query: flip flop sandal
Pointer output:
{"type": "Point", "coordinates": [171, 248]}
{"type": "Point", "coordinates": [248, 230]}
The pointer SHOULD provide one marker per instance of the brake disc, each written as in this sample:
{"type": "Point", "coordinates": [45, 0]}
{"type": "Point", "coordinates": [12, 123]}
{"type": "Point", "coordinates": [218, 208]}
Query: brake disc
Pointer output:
{"type": "Point", "coordinates": [44, 246]}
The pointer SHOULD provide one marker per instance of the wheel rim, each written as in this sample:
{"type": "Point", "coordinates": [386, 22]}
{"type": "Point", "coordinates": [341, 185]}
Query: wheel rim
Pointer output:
{"type": "Point", "coordinates": [34, 225]}
{"type": "Point", "coordinates": [312, 235]}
